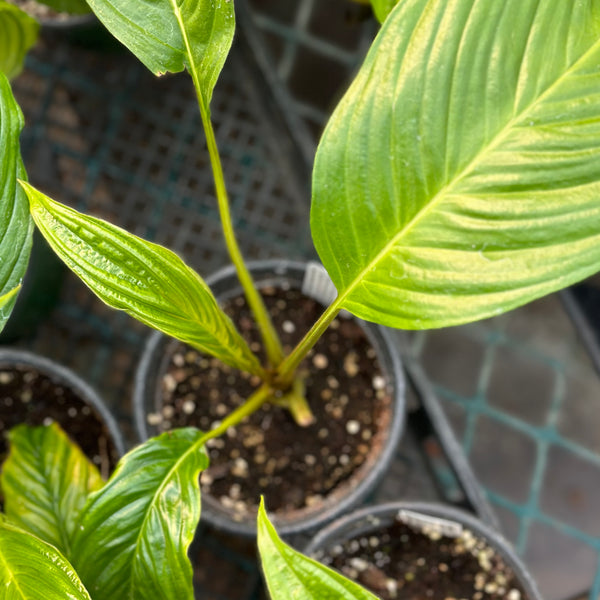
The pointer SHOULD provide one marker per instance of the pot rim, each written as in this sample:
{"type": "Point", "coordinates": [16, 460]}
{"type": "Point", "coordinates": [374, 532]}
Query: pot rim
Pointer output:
{"type": "Point", "coordinates": [14, 356]}
{"type": "Point", "coordinates": [341, 529]}
{"type": "Point", "coordinates": [389, 359]}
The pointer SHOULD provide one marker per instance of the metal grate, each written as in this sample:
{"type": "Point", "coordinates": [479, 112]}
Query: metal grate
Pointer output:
{"type": "Point", "coordinates": [524, 400]}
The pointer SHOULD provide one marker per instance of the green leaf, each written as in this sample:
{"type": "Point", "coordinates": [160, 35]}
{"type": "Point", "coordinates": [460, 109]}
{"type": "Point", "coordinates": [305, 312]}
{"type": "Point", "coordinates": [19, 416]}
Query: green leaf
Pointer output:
{"type": "Point", "coordinates": [73, 7]}
{"type": "Point", "coordinates": [18, 33]}
{"type": "Point", "coordinates": [147, 281]}
{"type": "Point", "coordinates": [170, 35]}
{"type": "Point", "coordinates": [16, 226]}
{"type": "Point", "coordinates": [135, 532]}
{"type": "Point", "coordinates": [290, 574]}
{"type": "Point", "coordinates": [382, 8]}
{"type": "Point", "coordinates": [46, 481]}
{"type": "Point", "coordinates": [31, 569]}
{"type": "Point", "coordinates": [459, 176]}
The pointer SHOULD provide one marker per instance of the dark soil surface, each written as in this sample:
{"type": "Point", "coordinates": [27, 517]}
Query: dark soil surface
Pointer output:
{"type": "Point", "coordinates": [42, 12]}
{"type": "Point", "coordinates": [37, 10]}
{"type": "Point", "coordinates": [269, 454]}
{"type": "Point", "coordinates": [27, 396]}
{"type": "Point", "coordinates": [399, 563]}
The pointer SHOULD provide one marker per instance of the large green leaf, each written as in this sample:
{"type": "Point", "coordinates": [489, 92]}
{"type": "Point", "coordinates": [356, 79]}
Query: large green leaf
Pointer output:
{"type": "Point", "coordinates": [135, 532]}
{"type": "Point", "coordinates": [459, 176]}
{"type": "Point", "coordinates": [290, 574]}
{"type": "Point", "coordinates": [46, 480]}
{"type": "Point", "coordinates": [147, 281]}
{"type": "Point", "coordinates": [16, 226]}
{"type": "Point", "coordinates": [170, 35]}
{"type": "Point", "coordinates": [31, 569]}
{"type": "Point", "coordinates": [18, 33]}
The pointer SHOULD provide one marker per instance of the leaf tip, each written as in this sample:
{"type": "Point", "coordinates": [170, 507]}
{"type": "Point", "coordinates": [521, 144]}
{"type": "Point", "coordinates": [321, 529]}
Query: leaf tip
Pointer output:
{"type": "Point", "coordinates": [261, 506]}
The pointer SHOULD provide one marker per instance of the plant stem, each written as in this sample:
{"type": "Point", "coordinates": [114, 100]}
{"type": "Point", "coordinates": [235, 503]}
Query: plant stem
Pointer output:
{"type": "Point", "coordinates": [252, 404]}
{"type": "Point", "coordinates": [295, 401]}
{"type": "Point", "coordinates": [269, 335]}
{"type": "Point", "coordinates": [286, 370]}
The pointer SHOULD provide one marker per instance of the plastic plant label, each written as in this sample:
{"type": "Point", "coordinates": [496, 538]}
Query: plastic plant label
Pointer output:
{"type": "Point", "coordinates": [318, 285]}
{"type": "Point", "coordinates": [427, 524]}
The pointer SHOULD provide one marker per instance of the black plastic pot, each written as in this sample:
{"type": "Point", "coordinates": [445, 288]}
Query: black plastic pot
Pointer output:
{"type": "Point", "coordinates": [370, 519]}
{"type": "Point", "coordinates": [12, 358]}
{"type": "Point", "coordinates": [277, 273]}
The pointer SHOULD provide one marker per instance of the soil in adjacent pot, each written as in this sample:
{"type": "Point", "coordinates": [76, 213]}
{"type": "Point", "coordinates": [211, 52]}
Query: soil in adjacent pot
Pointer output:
{"type": "Point", "coordinates": [28, 396]}
{"type": "Point", "coordinates": [400, 563]}
{"type": "Point", "coordinates": [40, 11]}
{"type": "Point", "coordinates": [269, 454]}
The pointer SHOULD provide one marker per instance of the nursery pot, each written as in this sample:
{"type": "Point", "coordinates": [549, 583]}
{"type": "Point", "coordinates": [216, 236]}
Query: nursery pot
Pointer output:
{"type": "Point", "coordinates": [370, 423]}
{"type": "Point", "coordinates": [36, 391]}
{"type": "Point", "coordinates": [435, 527]}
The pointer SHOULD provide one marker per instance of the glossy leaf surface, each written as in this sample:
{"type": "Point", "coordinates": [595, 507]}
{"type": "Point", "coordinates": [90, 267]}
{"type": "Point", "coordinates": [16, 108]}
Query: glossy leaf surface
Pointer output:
{"type": "Point", "coordinates": [170, 35]}
{"type": "Point", "coordinates": [460, 175]}
{"type": "Point", "coordinates": [31, 569]}
{"type": "Point", "coordinates": [46, 480]}
{"type": "Point", "coordinates": [147, 281]}
{"type": "Point", "coordinates": [18, 33]}
{"type": "Point", "coordinates": [290, 574]}
{"type": "Point", "coordinates": [382, 8]}
{"type": "Point", "coordinates": [16, 226]}
{"type": "Point", "coordinates": [135, 532]}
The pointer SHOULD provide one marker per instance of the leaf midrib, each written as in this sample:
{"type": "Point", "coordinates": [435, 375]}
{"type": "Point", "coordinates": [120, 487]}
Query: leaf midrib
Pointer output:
{"type": "Point", "coordinates": [447, 189]}
{"type": "Point", "coordinates": [9, 570]}
{"type": "Point", "coordinates": [193, 448]}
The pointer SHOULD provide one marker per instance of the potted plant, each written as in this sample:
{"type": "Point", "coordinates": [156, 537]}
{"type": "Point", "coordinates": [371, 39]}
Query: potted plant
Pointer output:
{"type": "Point", "coordinates": [456, 179]}
{"type": "Point", "coordinates": [355, 417]}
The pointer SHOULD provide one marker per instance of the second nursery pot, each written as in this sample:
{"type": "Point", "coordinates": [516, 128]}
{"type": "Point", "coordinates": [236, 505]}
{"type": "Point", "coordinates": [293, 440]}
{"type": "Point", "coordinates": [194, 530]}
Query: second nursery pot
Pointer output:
{"type": "Point", "coordinates": [417, 550]}
{"type": "Point", "coordinates": [307, 475]}
{"type": "Point", "coordinates": [37, 391]}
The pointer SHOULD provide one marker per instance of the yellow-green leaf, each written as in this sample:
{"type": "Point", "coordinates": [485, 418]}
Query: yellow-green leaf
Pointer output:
{"type": "Point", "coordinates": [31, 569]}
{"type": "Point", "coordinates": [291, 574]}
{"type": "Point", "coordinates": [460, 175]}
{"type": "Point", "coordinates": [18, 33]}
{"type": "Point", "coordinates": [16, 226]}
{"type": "Point", "coordinates": [46, 480]}
{"type": "Point", "coordinates": [147, 281]}
{"type": "Point", "coordinates": [170, 35]}
{"type": "Point", "coordinates": [382, 8]}
{"type": "Point", "coordinates": [135, 532]}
